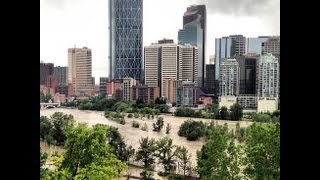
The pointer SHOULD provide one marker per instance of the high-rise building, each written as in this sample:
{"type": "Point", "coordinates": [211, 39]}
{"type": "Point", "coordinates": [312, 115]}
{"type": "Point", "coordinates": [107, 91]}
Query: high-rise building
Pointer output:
{"type": "Point", "coordinates": [247, 64]}
{"type": "Point", "coordinates": [194, 33]}
{"type": "Point", "coordinates": [60, 72]}
{"type": "Point", "coordinates": [254, 44]}
{"type": "Point", "coordinates": [103, 85]}
{"type": "Point", "coordinates": [222, 51]}
{"type": "Point", "coordinates": [229, 78]}
{"type": "Point", "coordinates": [112, 87]}
{"type": "Point", "coordinates": [80, 70]}
{"type": "Point", "coordinates": [210, 79]}
{"type": "Point", "coordinates": [46, 69]}
{"type": "Point", "coordinates": [189, 68]}
{"type": "Point", "coordinates": [152, 65]}
{"type": "Point", "coordinates": [125, 27]}
{"type": "Point", "coordinates": [272, 45]}
{"type": "Point", "coordinates": [211, 59]}
{"type": "Point", "coordinates": [169, 61]}
{"type": "Point", "coordinates": [268, 76]}
{"type": "Point", "coordinates": [126, 88]}
{"type": "Point", "coordinates": [186, 94]}
{"type": "Point", "coordinates": [238, 45]}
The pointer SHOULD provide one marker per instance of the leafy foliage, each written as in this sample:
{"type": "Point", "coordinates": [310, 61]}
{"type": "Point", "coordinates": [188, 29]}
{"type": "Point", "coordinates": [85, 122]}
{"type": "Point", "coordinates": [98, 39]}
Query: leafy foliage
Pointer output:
{"type": "Point", "coordinates": [166, 153]}
{"type": "Point", "coordinates": [146, 152]}
{"type": "Point", "coordinates": [236, 112]}
{"type": "Point", "coordinates": [193, 130]}
{"type": "Point", "coordinates": [158, 125]}
{"type": "Point", "coordinates": [262, 150]}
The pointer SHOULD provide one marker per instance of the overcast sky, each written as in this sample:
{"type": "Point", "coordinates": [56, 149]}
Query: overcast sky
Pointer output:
{"type": "Point", "coordinates": [66, 23]}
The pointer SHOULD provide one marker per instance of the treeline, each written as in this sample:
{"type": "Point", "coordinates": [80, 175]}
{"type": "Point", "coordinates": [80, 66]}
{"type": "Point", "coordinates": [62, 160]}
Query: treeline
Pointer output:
{"type": "Point", "coordinates": [102, 104]}
{"type": "Point", "coordinates": [213, 112]}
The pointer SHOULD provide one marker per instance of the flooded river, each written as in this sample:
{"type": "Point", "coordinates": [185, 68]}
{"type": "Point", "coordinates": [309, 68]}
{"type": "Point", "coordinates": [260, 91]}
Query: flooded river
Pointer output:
{"type": "Point", "coordinates": [132, 135]}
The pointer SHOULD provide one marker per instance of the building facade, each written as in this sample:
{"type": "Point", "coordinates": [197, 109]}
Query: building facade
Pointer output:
{"type": "Point", "coordinates": [222, 51]}
{"type": "Point", "coordinates": [192, 34]}
{"type": "Point", "coordinates": [189, 66]}
{"type": "Point", "coordinates": [247, 65]}
{"type": "Point", "coordinates": [210, 79]}
{"type": "Point", "coordinates": [194, 15]}
{"type": "Point", "coordinates": [272, 46]}
{"type": "Point", "coordinates": [103, 85]}
{"type": "Point", "coordinates": [268, 76]}
{"type": "Point", "coordinates": [46, 69]}
{"type": "Point", "coordinates": [152, 65]}
{"type": "Point", "coordinates": [125, 32]}
{"type": "Point", "coordinates": [238, 45]}
{"type": "Point", "coordinates": [171, 89]}
{"type": "Point", "coordinates": [229, 84]}
{"type": "Point", "coordinates": [126, 88]}
{"type": "Point", "coordinates": [145, 93]}
{"type": "Point", "coordinates": [60, 72]}
{"type": "Point", "coordinates": [186, 94]}
{"type": "Point", "coordinates": [80, 70]}
{"type": "Point", "coordinates": [112, 86]}
{"type": "Point", "coordinates": [254, 44]}
{"type": "Point", "coordinates": [247, 101]}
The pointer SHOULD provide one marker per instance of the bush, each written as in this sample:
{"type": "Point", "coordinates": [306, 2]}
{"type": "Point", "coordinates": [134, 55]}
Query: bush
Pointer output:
{"type": "Point", "coordinates": [176, 177]}
{"type": "Point", "coordinates": [130, 115]}
{"type": "Point", "coordinates": [136, 115]}
{"type": "Point", "coordinates": [192, 130]}
{"type": "Point", "coordinates": [122, 121]}
{"type": "Point", "coordinates": [135, 124]}
{"type": "Point", "coordinates": [261, 117]}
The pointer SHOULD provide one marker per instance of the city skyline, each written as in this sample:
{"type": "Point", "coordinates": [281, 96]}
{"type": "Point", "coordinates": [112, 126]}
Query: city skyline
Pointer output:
{"type": "Point", "coordinates": [65, 23]}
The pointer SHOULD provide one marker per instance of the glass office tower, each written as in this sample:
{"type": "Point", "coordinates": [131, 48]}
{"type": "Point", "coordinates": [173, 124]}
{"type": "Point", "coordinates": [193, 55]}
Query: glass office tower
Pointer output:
{"type": "Point", "coordinates": [125, 28]}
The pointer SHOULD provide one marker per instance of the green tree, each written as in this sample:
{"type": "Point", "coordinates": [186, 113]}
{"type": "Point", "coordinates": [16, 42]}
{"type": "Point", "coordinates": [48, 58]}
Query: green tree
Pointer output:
{"type": "Point", "coordinates": [184, 159]}
{"type": "Point", "coordinates": [193, 130]}
{"type": "Point", "coordinates": [44, 98]}
{"type": "Point", "coordinates": [236, 112]}
{"type": "Point", "coordinates": [262, 149]}
{"type": "Point", "coordinates": [86, 149]}
{"type": "Point", "coordinates": [158, 125]}
{"type": "Point", "coordinates": [224, 112]}
{"type": "Point", "coordinates": [45, 126]}
{"type": "Point", "coordinates": [146, 152]}
{"type": "Point", "coordinates": [260, 117]}
{"type": "Point", "coordinates": [219, 158]}
{"type": "Point", "coordinates": [61, 124]}
{"type": "Point", "coordinates": [166, 153]}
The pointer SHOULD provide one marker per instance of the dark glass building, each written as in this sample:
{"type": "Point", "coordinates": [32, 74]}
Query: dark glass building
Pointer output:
{"type": "Point", "coordinates": [46, 69]}
{"type": "Point", "coordinates": [194, 14]}
{"type": "Point", "coordinates": [210, 79]}
{"type": "Point", "coordinates": [247, 66]}
{"type": "Point", "coordinates": [125, 28]}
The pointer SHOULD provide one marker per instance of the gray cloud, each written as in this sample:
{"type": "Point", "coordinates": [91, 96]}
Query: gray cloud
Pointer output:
{"type": "Point", "coordinates": [266, 10]}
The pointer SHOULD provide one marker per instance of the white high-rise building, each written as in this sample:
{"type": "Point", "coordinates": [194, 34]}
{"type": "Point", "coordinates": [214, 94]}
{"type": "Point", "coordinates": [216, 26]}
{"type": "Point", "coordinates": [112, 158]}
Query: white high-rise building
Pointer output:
{"type": "Point", "coordinates": [229, 80]}
{"type": "Point", "coordinates": [268, 76]}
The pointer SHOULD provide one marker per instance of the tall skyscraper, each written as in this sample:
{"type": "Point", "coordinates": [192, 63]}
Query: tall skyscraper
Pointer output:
{"type": "Point", "coordinates": [268, 76]}
{"type": "Point", "coordinates": [80, 70]}
{"type": "Point", "coordinates": [210, 79]}
{"type": "Point", "coordinates": [222, 51]}
{"type": "Point", "coordinates": [125, 28]}
{"type": "Point", "coordinates": [194, 33]}
{"type": "Point", "coordinates": [46, 69]}
{"type": "Point", "coordinates": [169, 61]}
{"type": "Point", "coordinates": [60, 73]}
{"type": "Point", "coordinates": [229, 78]}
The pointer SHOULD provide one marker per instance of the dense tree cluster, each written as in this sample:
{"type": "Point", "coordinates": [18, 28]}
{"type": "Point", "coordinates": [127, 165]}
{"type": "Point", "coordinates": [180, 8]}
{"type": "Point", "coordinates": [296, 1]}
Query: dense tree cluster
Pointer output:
{"type": "Point", "coordinates": [54, 129]}
{"type": "Point", "coordinates": [221, 158]}
{"type": "Point", "coordinates": [192, 130]}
